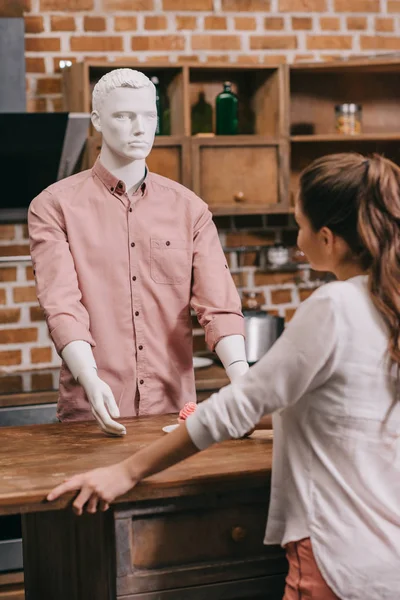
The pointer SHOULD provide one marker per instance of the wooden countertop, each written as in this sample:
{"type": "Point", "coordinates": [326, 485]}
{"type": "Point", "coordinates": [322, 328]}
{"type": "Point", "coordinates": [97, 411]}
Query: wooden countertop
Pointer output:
{"type": "Point", "coordinates": [33, 459]}
{"type": "Point", "coordinates": [211, 378]}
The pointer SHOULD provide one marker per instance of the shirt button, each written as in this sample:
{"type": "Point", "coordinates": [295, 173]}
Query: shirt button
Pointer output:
{"type": "Point", "coordinates": [134, 278]}
{"type": "Point", "coordinates": [131, 209]}
{"type": "Point", "coordinates": [137, 313]}
{"type": "Point", "coordinates": [112, 189]}
{"type": "Point", "coordinates": [141, 382]}
{"type": "Point", "coordinates": [133, 244]}
{"type": "Point", "coordinates": [140, 347]}
{"type": "Point", "coordinates": [168, 243]}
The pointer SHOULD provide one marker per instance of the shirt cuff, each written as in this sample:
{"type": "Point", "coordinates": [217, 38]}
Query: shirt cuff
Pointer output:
{"type": "Point", "coordinates": [70, 331]}
{"type": "Point", "coordinates": [221, 326]}
{"type": "Point", "coordinates": [198, 432]}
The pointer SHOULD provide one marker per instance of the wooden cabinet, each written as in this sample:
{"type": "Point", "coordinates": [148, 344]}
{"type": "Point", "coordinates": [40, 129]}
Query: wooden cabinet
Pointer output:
{"type": "Point", "coordinates": [286, 119]}
{"type": "Point", "coordinates": [201, 541]}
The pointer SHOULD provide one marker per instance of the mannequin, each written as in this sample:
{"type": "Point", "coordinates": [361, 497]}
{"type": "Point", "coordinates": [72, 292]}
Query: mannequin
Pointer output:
{"type": "Point", "coordinates": [124, 112]}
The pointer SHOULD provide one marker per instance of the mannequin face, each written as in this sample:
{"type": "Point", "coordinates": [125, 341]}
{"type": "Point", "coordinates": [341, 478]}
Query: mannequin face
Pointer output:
{"type": "Point", "coordinates": [127, 120]}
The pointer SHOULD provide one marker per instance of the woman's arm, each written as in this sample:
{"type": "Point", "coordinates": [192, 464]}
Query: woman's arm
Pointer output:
{"type": "Point", "coordinates": [104, 485]}
{"type": "Point", "coordinates": [303, 358]}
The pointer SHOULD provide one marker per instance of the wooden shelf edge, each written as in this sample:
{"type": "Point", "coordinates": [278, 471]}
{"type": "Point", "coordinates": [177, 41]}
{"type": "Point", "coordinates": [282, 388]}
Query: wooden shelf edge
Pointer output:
{"type": "Point", "coordinates": [364, 137]}
{"type": "Point", "coordinates": [11, 577]}
{"type": "Point", "coordinates": [251, 209]}
{"type": "Point", "coordinates": [92, 62]}
{"type": "Point", "coordinates": [236, 140]}
{"type": "Point", "coordinates": [369, 62]}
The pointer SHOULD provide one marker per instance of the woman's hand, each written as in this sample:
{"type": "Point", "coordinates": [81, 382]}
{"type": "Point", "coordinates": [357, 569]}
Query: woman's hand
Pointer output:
{"type": "Point", "coordinates": [97, 488]}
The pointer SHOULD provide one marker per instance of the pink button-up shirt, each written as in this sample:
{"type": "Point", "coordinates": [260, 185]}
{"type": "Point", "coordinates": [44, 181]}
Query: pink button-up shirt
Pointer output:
{"type": "Point", "coordinates": [121, 273]}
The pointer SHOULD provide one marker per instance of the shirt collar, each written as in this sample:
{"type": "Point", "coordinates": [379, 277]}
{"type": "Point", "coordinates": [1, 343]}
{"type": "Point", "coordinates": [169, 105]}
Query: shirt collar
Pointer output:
{"type": "Point", "coordinates": [114, 185]}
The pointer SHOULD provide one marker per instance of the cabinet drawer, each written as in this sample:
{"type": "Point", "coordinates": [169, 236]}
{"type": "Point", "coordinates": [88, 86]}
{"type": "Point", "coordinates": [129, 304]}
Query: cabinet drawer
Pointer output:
{"type": "Point", "coordinates": [237, 177]}
{"type": "Point", "coordinates": [186, 540]}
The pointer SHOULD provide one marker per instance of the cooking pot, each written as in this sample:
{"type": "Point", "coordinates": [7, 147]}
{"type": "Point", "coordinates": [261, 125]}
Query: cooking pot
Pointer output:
{"type": "Point", "coordinates": [262, 331]}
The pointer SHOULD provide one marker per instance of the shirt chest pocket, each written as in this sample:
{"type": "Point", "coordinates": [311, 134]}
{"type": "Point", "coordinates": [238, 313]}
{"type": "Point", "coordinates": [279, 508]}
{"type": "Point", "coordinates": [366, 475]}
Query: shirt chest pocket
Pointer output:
{"type": "Point", "coordinates": [170, 261]}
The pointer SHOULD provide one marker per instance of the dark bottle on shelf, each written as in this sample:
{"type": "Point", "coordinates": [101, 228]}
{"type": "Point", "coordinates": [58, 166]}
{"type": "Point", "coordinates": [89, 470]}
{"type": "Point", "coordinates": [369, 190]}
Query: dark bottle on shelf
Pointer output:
{"type": "Point", "coordinates": [202, 116]}
{"type": "Point", "coordinates": [226, 111]}
{"type": "Point", "coordinates": [156, 82]}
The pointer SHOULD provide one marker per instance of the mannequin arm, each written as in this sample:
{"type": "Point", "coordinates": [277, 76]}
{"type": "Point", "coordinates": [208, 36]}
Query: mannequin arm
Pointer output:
{"type": "Point", "coordinates": [214, 296]}
{"type": "Point", "coordinates": [232, 353]}
{"type": "Point", "coordinates": [79, 358]}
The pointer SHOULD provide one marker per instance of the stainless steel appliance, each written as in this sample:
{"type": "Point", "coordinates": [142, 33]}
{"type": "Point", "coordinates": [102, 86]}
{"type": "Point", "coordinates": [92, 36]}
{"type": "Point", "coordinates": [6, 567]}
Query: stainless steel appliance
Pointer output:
{"type": "Point", "coordinates": [262, 331]}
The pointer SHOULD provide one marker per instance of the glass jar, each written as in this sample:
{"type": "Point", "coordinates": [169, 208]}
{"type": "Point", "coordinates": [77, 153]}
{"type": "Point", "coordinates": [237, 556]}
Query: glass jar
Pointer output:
{"type": "Point", "coordinates": [348, 119]}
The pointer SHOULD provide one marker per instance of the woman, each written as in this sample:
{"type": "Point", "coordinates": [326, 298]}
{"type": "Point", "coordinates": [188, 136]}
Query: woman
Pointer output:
{"type": "Point", "coordinates": [331, 381]}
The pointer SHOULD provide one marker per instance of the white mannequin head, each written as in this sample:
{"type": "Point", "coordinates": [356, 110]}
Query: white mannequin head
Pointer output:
{"type": "Point", "coordinates": [125, 112]}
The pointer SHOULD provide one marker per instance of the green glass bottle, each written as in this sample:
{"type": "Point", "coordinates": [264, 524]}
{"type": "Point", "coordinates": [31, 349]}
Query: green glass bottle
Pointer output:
{"type": "Point", "coordinates": [156, 83]}
{"type": "Point", "coordinates": [202, 116]}
{"type": "Point", "coordinates": [226, 105]}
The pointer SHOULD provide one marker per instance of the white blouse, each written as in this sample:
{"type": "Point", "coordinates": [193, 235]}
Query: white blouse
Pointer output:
{"type": "Point", "coordinates": [336, 465]}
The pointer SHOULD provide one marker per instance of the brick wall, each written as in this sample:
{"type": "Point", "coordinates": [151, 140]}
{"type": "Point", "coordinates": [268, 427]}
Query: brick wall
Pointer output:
{"type": "Point", "coordinates": [203, 30]}
{"type": "Point", "coordinates": [24, 339]}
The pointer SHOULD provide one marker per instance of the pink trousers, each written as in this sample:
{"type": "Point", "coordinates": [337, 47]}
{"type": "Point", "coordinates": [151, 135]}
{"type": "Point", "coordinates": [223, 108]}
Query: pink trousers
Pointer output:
{"type": "Point", "coordinates": [304, 580]}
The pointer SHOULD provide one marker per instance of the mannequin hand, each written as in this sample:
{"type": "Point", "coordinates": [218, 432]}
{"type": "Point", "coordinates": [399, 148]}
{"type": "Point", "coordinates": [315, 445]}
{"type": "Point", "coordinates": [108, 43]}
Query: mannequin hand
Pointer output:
{"type": "Point", "coordinates": [237, 370]}
{"type": "Point", "coordinates": [102, 401]}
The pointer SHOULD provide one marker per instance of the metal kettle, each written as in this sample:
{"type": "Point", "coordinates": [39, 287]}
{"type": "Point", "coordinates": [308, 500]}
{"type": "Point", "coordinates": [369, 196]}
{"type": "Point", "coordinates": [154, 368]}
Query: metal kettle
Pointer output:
{"type": "Point", "coordinates": [262, 331]}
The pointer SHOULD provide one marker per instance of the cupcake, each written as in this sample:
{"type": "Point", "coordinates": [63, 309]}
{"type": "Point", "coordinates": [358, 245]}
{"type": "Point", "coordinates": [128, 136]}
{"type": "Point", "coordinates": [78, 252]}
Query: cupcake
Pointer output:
{"type": "Point", "coordinates": [187, 410]}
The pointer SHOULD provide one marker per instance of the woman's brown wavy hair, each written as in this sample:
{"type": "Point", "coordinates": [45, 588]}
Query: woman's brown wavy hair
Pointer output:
{"type": "Point", "coordinates": [358, 199]}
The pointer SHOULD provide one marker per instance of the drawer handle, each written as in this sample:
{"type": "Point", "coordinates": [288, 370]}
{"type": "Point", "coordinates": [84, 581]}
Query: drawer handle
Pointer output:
{"type": "Point", "coordinates": [238, 534]}
{"type": "Point", "coordinates": [239, 197]}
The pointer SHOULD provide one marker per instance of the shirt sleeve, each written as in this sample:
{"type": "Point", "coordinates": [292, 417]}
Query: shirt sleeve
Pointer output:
{"type": "Point", "coordinates": [302, 359]}
{"type": "Point", "coordinates": [55, 275]}
{"type": "Point", "coordinates": [214, 295]}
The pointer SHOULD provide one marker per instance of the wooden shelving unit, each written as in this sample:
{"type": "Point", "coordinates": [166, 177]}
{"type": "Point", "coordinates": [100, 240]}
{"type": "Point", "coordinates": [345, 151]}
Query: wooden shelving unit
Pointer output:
{"type": "Point", "coordinates": [287, 119]}
{"type": "Point", "coordinates": [243, 174]}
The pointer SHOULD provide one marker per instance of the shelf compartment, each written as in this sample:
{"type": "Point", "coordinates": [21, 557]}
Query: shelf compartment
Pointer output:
{"type": "Point", "coordinates": [80, 79]}
{"type": "Point", "coordinates": [260, 92]}
{"type": "Point", "coordinates": [314, 92]}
